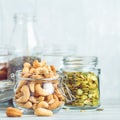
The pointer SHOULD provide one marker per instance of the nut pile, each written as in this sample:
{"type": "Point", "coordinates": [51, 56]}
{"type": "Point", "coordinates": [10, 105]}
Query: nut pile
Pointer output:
{"type": "Point", "coordinates": [85, 88]}
{"type": "Point", "coordinates": [38, 70]}
{"type": "Point", "coordinates": [37, 93]}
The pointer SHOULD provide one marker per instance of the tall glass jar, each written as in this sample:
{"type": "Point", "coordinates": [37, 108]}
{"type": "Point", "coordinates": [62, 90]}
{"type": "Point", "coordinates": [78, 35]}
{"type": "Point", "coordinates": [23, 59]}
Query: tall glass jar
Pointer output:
{"type": "Point", "coordinates": [81, 82]}
{"type": "Point", "coordinates": [24, 45]}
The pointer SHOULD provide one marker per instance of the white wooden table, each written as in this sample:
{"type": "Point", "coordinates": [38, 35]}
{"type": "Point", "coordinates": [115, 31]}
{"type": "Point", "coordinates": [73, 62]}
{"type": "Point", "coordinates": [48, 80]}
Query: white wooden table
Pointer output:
{"type": "Point", "coordinates": [110, 112]}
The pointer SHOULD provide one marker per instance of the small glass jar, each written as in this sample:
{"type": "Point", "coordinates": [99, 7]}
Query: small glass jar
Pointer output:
{"type": "Point", "coordinates": [54, 55]}
{"type": "Point", "coordinates": [6, 85]}
{"type": "Point", "coordinates": [81, 82]}
{"type": "Point", "coordinates": [31, 93]}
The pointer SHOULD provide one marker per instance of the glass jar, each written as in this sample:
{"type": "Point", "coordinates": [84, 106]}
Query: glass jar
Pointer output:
{"type": "Point", "coordinates": [24, 45]}
{"type": "Point", "coordinates": [6, 85]}
{"type": "Point", "coordinates": [3, 62]}
{"type": "Point", "coordinates": [54, 55]}
{"type": "Point", "coordinates": [31, 93]}
{"type": "Point", "coordinates": [81, 82]}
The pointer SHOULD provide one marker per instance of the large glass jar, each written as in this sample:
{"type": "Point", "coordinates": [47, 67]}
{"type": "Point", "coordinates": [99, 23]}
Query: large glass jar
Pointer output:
{"type": "Point", "coordinates": [24, 44]}
{"type": "Point", "coordinates": [32, 93]}
{"type": "Point", "coordinates": [81, 82]}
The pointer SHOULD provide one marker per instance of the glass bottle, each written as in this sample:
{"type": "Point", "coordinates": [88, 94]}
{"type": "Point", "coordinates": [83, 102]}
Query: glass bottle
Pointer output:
{"type": "Point", "coordinates": [81, 82]}
{"type": "Point", "coordinates": [24, 45]}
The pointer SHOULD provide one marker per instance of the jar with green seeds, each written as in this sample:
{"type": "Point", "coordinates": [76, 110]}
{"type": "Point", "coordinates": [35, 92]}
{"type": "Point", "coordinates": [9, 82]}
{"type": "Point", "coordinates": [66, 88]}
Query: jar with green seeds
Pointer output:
{"type": "Point", "coordinates": [80, 83]}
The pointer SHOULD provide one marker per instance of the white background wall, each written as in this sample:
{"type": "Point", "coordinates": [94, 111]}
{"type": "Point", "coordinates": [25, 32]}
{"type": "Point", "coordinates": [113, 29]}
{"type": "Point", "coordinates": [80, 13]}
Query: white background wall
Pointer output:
{"type": "Point", "coordinates": [93, 26]}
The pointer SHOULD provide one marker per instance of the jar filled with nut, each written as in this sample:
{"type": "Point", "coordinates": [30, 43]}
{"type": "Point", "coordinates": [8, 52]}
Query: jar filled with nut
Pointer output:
{"type": "Point", "coordinates": [81, 82]}
{"type": "Point", "coordinates": [38, 89]}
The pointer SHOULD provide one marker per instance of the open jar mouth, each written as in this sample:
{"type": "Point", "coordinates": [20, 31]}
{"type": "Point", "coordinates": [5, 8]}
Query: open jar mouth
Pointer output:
{"type": "Point", "coordinates": [80, 60]}
{"type": "Point", "coordinates": [20, 75]}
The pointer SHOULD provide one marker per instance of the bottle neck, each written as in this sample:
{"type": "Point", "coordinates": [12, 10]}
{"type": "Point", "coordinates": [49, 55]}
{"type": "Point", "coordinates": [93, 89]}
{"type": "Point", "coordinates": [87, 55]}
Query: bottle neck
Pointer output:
{"type": "Point", "coordinates": [80, 63]}
{"type": "Point", "coordinates": [24, 37]}
{"type": "Point", "coordinates": [23, 18]}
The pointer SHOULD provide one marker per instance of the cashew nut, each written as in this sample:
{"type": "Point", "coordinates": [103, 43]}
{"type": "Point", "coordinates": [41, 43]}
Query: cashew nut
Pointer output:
{"type": "Point", "coordinates": [32, 86]}
{"type": "Point", "coordinates": [41, 98]}
{"type": "Point", "coordinates": [54, 105]}
{"type": "Point", "coordinates": [43, 112]}
{"type": "Point", "coordinates": [26, 75]}
{"type": "Point", "coordinates": [58, 94]}
{"type": "Point", "coordinates": [36, 64]}
{"type": "Point", "coordinates": [32, 70]}
{"type": "Point", "coordinates": [25, 70]}
{"type": "Point", "coordinates": [21, 83]}
{"type": "Point", "coordinates": [37, 76]}
{"type": "Point", "coordinates": [26, 64]}
{"type": "Point", "coordinates": [55, 97]}
{"type": "Point", "coordinates": [34, 106]}
{"type": "Point", "coordinates": [19, 94]}
{"type": "Point", "coordinates": [42, 104]}
{"type": "Point", "coordinates": [26, 94]}
{"type": "Point", "coordinates": [32, 99]}
{"type": "Point", "coordinates": [50, 99]}
{"type": "Point", "coordinates": [26, 105]}
{"type": "Point", "coordinates": [53, 68]}
{"type": "Point", "coordinates": [40, 91]}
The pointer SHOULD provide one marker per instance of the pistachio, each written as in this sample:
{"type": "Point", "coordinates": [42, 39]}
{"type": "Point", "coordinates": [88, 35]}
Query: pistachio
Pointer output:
{"type": "Point", "coordinates": [84, 87]}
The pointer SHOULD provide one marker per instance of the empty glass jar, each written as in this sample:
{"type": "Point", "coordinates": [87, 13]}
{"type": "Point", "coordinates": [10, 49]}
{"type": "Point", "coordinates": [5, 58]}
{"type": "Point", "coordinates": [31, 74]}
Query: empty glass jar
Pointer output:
{"type": "Point", "coordinates": [81, 82]}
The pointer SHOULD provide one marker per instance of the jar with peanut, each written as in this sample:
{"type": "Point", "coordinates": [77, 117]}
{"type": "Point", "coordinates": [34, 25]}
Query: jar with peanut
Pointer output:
{"type": "Point", "coordinates": [38, 89]}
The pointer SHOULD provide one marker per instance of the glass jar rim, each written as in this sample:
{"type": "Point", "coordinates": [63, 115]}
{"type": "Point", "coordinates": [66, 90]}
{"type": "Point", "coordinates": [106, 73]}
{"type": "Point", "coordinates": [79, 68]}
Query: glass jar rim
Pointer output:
{"type": "Point", "coordinates": [19, 72]}
{"type": "Point", "coordinates": [80, 62]}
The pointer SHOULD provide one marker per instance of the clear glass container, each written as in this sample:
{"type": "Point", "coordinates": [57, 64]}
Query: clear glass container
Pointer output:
{"type": "Point", "coordinates": [81, 82]}
{"type": "Point", "coordinates": [6, 85]}
{"type": "Point", "coordinates": [23, 43]}
{"type": "Point", "coordinates": [30, 93]}
{"type": "Point", "coordinates": [54, 55]}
